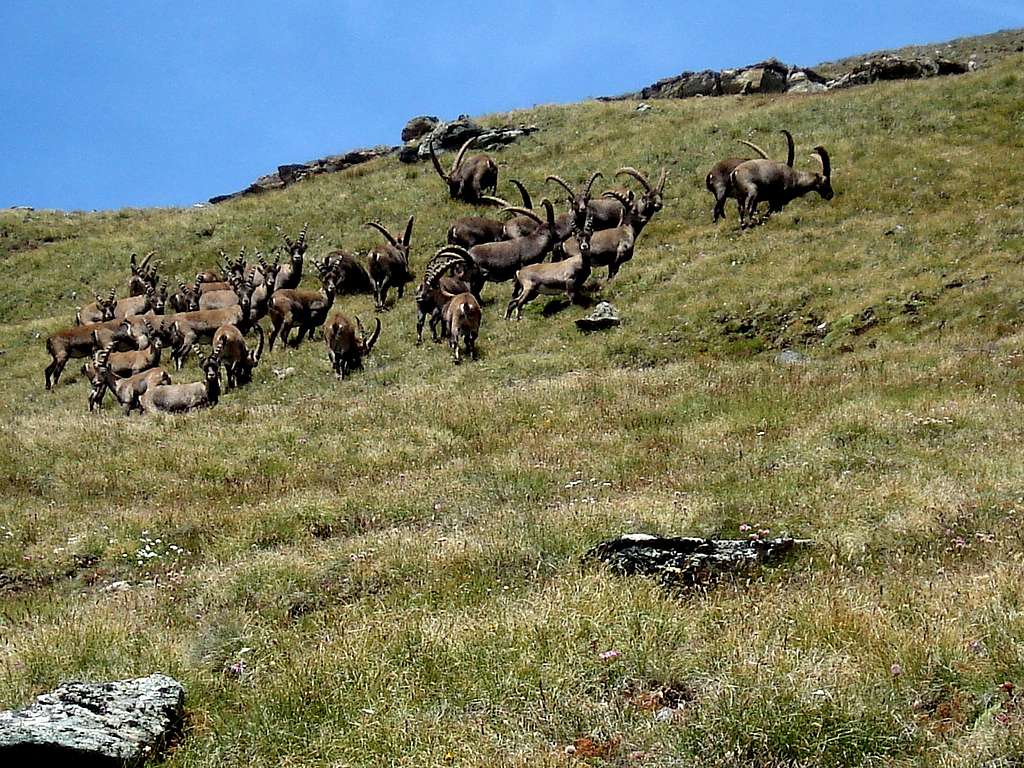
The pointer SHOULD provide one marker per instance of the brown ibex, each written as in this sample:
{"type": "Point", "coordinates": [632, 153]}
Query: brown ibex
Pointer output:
{"type": "Point", "coordinates": [186, 299]}
{"type": "Point", "coordinates": [719, 181]}
{"type": "Point", "coordinates": [474, 230]}
{"type": "Point", "coordinates": [388, 265]}
{"type": "Point", "coordinates": [290, 274]}
{"type": "Point", "coordinates": [290, 307]}
{"type": "Point", "coordinates": [142, 275]}
{"type": "Point", "coordinates": [126, 391]}
{"type": "Point", "coordinates": [239, 361]}
{"type": "Point", "coordinates": [461, 324]}
{"type": "Point", "coordinates": [470, 177]}
{"type": "Point", "coordinates": [347, 345]}
{"type": "Point", "coordinates": [99, 311]}
{"type": "Point", "coordinates": [758, 181]}
{"type": "Point", "coordinates": [177, 398]}
{"type": "Point", "coordinates": [614, 247]}
{"type": "Point", "coordinates": [190, 327]}
{"type": "Point", "coordinates": [80, 341]}
{"type": "Point", "coordinates": [130, 362]}
{"type": "Point", "coordinates": [517, 226]}
{"type": "Point", "coordinates": [153, 299]}
{"type": "Point", "coordinates": [438, 288]}
{"type": "Point", "coordinates": [566, 276]}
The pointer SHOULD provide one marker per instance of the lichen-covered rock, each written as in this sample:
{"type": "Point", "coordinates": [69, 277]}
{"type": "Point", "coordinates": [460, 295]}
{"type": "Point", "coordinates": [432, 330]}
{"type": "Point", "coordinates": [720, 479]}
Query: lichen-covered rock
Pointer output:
{"type": "Point", "coordinates": [121, 723]}
{"type": "Point", "coordinates": [800, 82]}
{"type": "Point", "coordinates": [419, 126]}
{"type": "Point", "coordinates": [604, 315]}
{"type": "Point", "coordinates": [685, 561]}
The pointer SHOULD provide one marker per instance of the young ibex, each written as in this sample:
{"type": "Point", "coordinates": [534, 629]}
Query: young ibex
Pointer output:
{"type": "Point", "coordinates": [389, 264]}
{"type": "Point", "coordinates": [126, 391]}
{"type": "Point", "coordinates": [290, 275]}
{"type": "Point", "coordinates": [470, 177]}
{"type": "Point", "coordinates": [99, 311]}
{"type": "Point", "coordinates": [438, 288]}
{"type": "Point", "coordinates": [290, 307]}
{"type": "Point", "coordinates": [347, 345]}
{"type": "Point", "coordinates": [499, 262]}
{"type": "Point", "coordinates": [614, 247]}
{"type": "Point", "coordinates": [567, 276]}
{"type": "Point", "coordinates": [719, 181]}
{"type": "Point", "coordinates": [239, 361]}
{"type": "Point", "coordinates": [759, 181]}
{"type": "Point", "coordinates": [80, 341]}
{"type": "Point", "coordinates": [177, 398]}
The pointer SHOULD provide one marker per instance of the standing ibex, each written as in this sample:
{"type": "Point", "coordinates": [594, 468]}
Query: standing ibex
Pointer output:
{"type": "Point", "coordinates": [80, 341]}
{"type": "Point", "coordinates": [347, 345]}
{"type": "Point", "coordinates": [128, 390]}
{"type": "Point", "coordinates": [389, 264]}
{"type": "Point", "coordinates": [130, 362]}
{"type": "Point", "coordinates": [290, 274]}
{"type": "Point", "coordinates": [461, 323]}
{"type": "Point", "coordinates": [470, 177]}
{"type": "Point", "coordinates": [567, 276]}
{"type": "Point", "coordinates": [758, 181]}
{"type": "Point", "coordinates": [99, 311]}
{"type": "Point", "coordinates": [188, 328]}
{"type": "Point", "coordinates": [153, 299]}
{"type": "Point", "coordinates": [290, 307]}
{"type": "Point", "coordinates": [438, 288]}
{"type": "Point", "coordinates": [614, 247]}
{"type": "Point", "coordinates": [238, 359]}
{"type": "Point", "coordinates": [176, 398]}
{"type": "Point", "coordinates": [719, 182]}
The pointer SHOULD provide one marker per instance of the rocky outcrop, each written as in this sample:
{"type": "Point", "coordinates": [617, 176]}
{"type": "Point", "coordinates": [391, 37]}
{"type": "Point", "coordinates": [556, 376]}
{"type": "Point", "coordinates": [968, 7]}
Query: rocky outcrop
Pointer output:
{"type": "Point", "coordinates": [293, 172]}
{"type": "Point", "coordinates": [685, 561]}
{"type": "Point", "coordinates": [418, 127]}
{"type": "Point", "coordinates": [450, 136]}
{"type": "Point", "coordinates": [897, 68]}
{"type": "Point", "coordinates": [122, 723]}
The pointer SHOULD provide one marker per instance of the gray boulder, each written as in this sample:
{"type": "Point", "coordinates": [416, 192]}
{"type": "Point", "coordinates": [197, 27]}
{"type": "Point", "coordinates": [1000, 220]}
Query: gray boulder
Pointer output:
{"type": "Point", "coordinates": [766, 77]}
{"type": "Point", "coordinates": [419, 126]}
{"type": "Point", "coordinates": [94, 725]}
{"type": "Point", "coordinates": [604, 315]}
{"type": "Point", "coordinates": [889, 67]}
{"type": "Point", "coordinates": [799, 82]}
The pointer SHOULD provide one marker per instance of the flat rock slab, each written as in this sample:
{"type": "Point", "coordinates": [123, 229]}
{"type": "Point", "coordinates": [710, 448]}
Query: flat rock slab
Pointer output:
{"type": "Point", "coordinates": [685, 561]}
{"type": "Point", "coordinates": [605, 315]}
{"type": "Point", "coordinates": [94, 725]}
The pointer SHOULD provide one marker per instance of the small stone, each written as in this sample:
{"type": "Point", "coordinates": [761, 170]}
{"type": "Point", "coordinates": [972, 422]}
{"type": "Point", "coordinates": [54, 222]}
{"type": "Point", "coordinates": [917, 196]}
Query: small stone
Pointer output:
{"type": "Point", "coordinates": [791, 357]}
{"type": "Point", "coordinates": [605, 315]}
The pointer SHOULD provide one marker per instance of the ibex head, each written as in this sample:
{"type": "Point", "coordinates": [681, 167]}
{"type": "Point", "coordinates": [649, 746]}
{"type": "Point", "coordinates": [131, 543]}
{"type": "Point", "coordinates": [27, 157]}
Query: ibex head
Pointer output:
{"type": "Point", "coordinates": [296, 248]}
{"type": "Point", "coordinates": [653, 199]}
{"type": "Point", "coordinates": [401, 245]}
{"type": "Point", "coordinates": [577, 199]}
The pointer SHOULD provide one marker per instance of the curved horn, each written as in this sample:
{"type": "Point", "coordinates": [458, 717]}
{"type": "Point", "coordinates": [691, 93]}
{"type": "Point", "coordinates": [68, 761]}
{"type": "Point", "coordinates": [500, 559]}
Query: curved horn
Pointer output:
{"type": "Point", "coordinates": [753, 146]}
{"type": "Point", "coordinates": [630, 171]}
{"type": "Point", "coordinates": [462, 153]}
{"type": "Point", "coordinates": [407, 235]}
{"type": "Point", "coordinates": [434, 160]}
{"type": "Point", "coordinates": [789, 147]}
{"type": "Point", "coordinates": [495, 200]}
{"type": "Point", "coordinates": [826, 162]}
{"type": "Point", "coordinates": [259, 344]}
{"type": "Point", "coordinates": [380, 228]}
{"type": "Point", "coordinates": [661, 180]}
{"type": "Point", "coordinates": [146, 258]}
{"type": "Point", "coordinates": [369, 342]}
{"type": "Point", "coordinates": [594, 177]}
{"type": "Point", "coordinates": [527, 202]}
{"type": "Point", "coordinates": [564, 183]}
{"type": "Point", "coordinates": [302, 235]}
{"type": "Point", "coordinates": [523, 212]}
{"type": "Point", "coordinates": [626, 202]}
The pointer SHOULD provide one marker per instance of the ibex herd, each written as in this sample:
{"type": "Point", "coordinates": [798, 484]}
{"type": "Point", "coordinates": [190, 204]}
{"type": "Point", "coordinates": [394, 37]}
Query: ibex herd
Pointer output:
{"type": "Point", "coordinates": [126, 337]}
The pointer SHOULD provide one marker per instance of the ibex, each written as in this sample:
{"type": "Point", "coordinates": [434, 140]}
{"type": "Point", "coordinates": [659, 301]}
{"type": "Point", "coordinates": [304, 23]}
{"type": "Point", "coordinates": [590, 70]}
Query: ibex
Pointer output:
{"type": "Point", "coordinates": [154, 299]}
{"type": "Point", "coordinates": [238, 359]}
{"type": "Point", "coordinates": [290, 307]}
{"type": "Point", "coordinates": [259, 301]}
{"type": "Point", "coordinates": [186, 299]}
{"type": "Point", "coordinates": [80, 341]}
{"type": "Point", "coordinates": [499, 262]}
{"type": "Point", "coordinates": [461, 323]}
{"type": "Point", "coordinates": [474, 230]}
{"type": "Point", "coordinates": [99, 311]}
{"type": "Point", "coordinates": [517, 226]}
{"type": "Point", "coordinates": [759, 181]}
{"type": "Point", "coordinates": [567, 276]}
{"type": "Point", "coordinates": [190, 327]}
{"type": "Point", "coordinates": [142, 275]}
{"type": "Point", "coordinates": [614, 247]}
{"type": "Point", "coordinates": [132, 361]}
{"type": "Point", "coordinates": [226, 298]}
{"type": "Point", "coordinates": [389, 264]}
{"type": "Point", "coordinates": [719, 182]}
{"type": "Point", "coordinates": [290, 274]}
{"type": "Point", "coordinates": [347, 345]}
{"type": "Point", "coordinates": [438, 288]}
{"type": "Point", "coordinates": [126, 391]}
{"type": "Point", "coordinates": [580, 203]}
{"type": "Point", "coordinates": [177, 398]}
{"type": "Point", "coordinates": [470, 177]}
{"type": "Point", "coordinates": [350, 276]}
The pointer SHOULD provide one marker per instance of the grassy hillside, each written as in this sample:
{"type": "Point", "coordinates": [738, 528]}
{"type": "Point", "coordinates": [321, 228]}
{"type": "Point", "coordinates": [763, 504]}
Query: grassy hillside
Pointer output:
{"type": "Point", "coordinates": [385, 571]}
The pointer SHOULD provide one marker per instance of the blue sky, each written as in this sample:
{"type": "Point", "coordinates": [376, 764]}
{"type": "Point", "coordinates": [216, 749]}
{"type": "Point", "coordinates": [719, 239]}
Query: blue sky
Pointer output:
{"type": "Point", "coordinates": [113, 104]}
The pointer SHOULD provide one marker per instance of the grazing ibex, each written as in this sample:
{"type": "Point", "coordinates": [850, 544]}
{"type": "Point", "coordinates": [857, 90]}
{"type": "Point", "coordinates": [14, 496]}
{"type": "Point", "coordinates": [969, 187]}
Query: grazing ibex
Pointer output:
{"type": "Point", "coordinates": [290, 275]}
{"type": "Point", "coordinates": [347, 345]}
{"type": "Point", "coordinates": [238, 359]}
{"type": "Point", "coordinates": [126, 391]}
{"type": "Point", "coordinates": [470, 177]}
{"type": "Point", "coordinates": [758, 181]}
{"type": "Point", "coordinates": [438, 288]}
{"type": "Point", "coordinates": [389, 264]}
{"type": "Point", "coordinates": [177, 398]}
{"type": "Point", "coordinates": [80, 341]}
{"type": "Point", "coordinates": [567, 276]}
{"type": "Point", "coordinates": [290, 307]}
{"type": "Point", "coordinates": [461, 324]}
{"type": "Point", "coordinates": [99, 311]}
{"type": "Point", "coordinates": [719, 181]}
{"type": "Point", "coordinates": [350, 276]}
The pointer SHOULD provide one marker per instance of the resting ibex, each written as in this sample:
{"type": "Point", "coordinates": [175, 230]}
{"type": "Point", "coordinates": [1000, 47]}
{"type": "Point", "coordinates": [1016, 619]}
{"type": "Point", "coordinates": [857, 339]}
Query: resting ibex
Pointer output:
{"type": "Point", "coordinates": [347, 345]}
{"type": "Point", "coordinates": [567, 276]}
{"type": "Point", "coordinates": [176, 398]}
{"type": "Point", "coordinates": [758, 181]}
{"type": "Point", "coordinates": [238, 359]}
{"type": "Point", "coordinates": [499, 262]}
{"type": "Point", "coordinates": [99, 311]}
{"type": "Point", "coordinates": [186, 299]}
{"type": "Point", "coordinates": [389, 264]}
{"type": "Point", "coordinates": [470, 177]}
{"type": "Point", "coordinates": [80, 341]}
{"type": "Point", "coordinates": [438, 288]}
{"type": "Point", "coordinates": [461, 323]}
{"type": "Point", "coordinates": [290, 307]}
{"type": "Point", "coordinates": [719, 182]}
{"type": "Point", "coordinates": [127, 391]}
{"type": "Point", "coordinates": [290, 275]}
{"type": "Point", "coordinates": [614, 247]}
{"type": "Point", "coordinates": [142, 275]}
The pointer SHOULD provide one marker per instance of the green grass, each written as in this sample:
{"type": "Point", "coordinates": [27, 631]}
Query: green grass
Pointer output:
{"type": "Point", "coordinates": [396, 558]}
